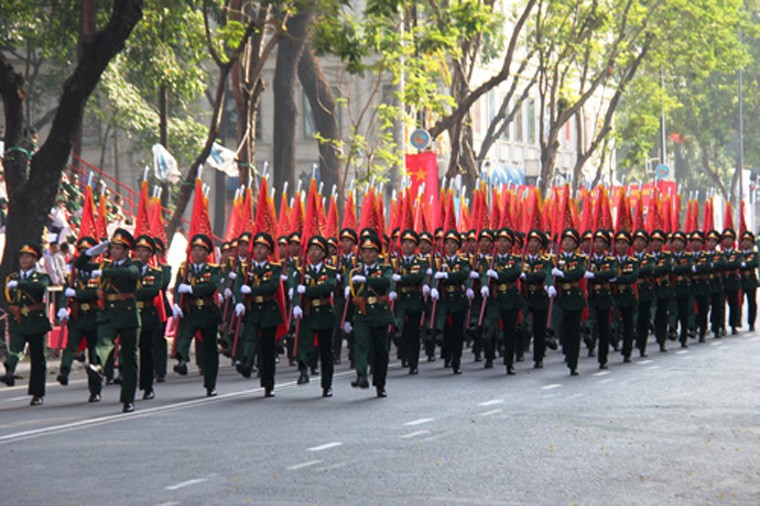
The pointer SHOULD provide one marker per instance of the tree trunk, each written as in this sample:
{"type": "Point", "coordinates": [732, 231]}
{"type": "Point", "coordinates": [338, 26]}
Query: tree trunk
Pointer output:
{"type": "Point", "coordinates": [285, 109]}
{"type": "Point", "coordinates": [325, 109]}
{"type": "Point", "coordinates": [33, 196]}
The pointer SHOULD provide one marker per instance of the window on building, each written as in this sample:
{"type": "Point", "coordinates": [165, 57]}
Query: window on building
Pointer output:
{"type": "Point", "coordinates": [338, 107]}
{"type": "Point", "coordinates": [518, 124]}
{"type": "Point", "coordinates": [531, 121]}
{"type": "Point", "coordinates": [309, 128]}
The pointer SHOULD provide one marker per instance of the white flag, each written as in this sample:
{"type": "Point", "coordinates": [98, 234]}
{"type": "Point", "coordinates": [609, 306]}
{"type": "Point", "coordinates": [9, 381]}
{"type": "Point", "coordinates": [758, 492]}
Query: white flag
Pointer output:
{"type": "Point", "coordinates": [223, 159]}
{"type": "Point", "coordinates": [164, 165]}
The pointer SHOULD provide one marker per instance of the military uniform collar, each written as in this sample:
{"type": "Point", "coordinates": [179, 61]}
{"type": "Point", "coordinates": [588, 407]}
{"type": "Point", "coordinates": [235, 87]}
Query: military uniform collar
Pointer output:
{"type": "Point", "coordinates": [198, 267]}
{"type": "Point", "coordinates": [408, 259]}
{"type": "Point", "coordinates": [746, 251]}
{"type": "Point", "coordinates": [347, 257]}
{"type": "Point", "coordinates": [260, 265]}
{"type": "Point", "coordinates": [622, 259]}
{"type": "Point", "coordinates": [451, 259]}
{"type": "Point", "coordinates": [599, 257]}
{"type": "Point", "coordinates": [317, 267]}
{"type": "Point", "coordinates": [26, 274]}
{"type": "Point", "coordinates": [370, 267]}
{"type": "Point", "coordinates": [502, 257]}
{"type": "Point", "coordinates": [533, 258]}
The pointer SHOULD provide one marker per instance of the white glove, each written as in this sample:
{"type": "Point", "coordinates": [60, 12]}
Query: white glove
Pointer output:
{"type": "Point", "coordinates": [551, 291]}
{"type": "Point", "coordinates": [63, 315]}
{"type": "Point", "coordinates": [558, 273]}
{"type": "Point", "coordinates": [347, 327]}
{"type": "Point", "coordinates": [474, 274]}
{"type": "Point", "coordinates": [441, 275]}
{"type": "Point", "coordinates": [485, 292]}
{"type": "Point", "coordinates": [425, 290]}
{"type": "Point", "coordinates": [744, 265]}
{"type": "Point", "coordinates": [492, 274]}
{"type": "Point", "coordinates": [96, 273]}
{"type": "Point", "coordinates": [69, 292]}
{"type": "Point", "coordinates": [346, 292]}
{"type": "Point", "coordinates": [290, 293]}
{"type": "Point", "coordinates": [523, 276]}
{"type": "Point", "coordinates": [694, 268]}
{"type": "Point", "coordinates": [396, 277]}
{"type": "Point", "coordinates": [232, 275]}
{"type": "Point", "coordinates": [283, 277]}
{"type": "Point", "coordinates": [589, 275]}
{"type": "Point", "coordinates": [245, 290]}
{"type": "Point", "coordinates": [227, 293]}
{"type": "Point", "coordinates": [297, 312]}
{"type": "Point", "coordinates": [177, 311]}
{"type": "Point", "coordinates": [358, 279]}
{"type": "Point", "coordinates": [301, 289]}
{"type": "Point", "coordinates": [434, 294]}
{"type": "Point", "coordinates": [183, 288]}
{"type": "Point", "coordinates": [613, 280]}
{"type": "Point", "coordinates": [239, 309]}
{"type": "Point", "coordinates": [219, 298]}
{"type": "Point", "coordinates": [97, 250]}
{"type": "Point", "coordinates": [392, 296]}
{"type": "Point", "coordinates": [338, 278]}
{"type": "Point", "coordinates": [12, 284]}
{"type": "Point", "coordinates": [470, 294]}
{"type": "Point", "coordinates": [429, 272]}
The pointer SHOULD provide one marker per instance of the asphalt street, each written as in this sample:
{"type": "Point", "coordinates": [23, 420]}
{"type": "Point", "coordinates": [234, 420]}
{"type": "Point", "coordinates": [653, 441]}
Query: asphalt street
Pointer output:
{"type": "Point", "coordinates": [681, 427]}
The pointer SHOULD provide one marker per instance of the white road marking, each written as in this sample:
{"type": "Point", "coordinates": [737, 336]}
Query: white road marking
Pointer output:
{"type": "Point", "coordinates": [642, 362]}
{"type": "Point", "coordinates": [302, 465]}
{"type": "Point", "coordinates": [186, 483]}
{"type": "Point", "coordinates": [653, 367]}
{"type": "Point", "coordinates": [551, 387]}
{"type": "Point", "coordinates": [492, 412]}
{"type": "Point", "coordinates": [752, 339]}
{"type": "Point", "coordinates": [575, 396]}
{"type": "Point", "coordinates": [682, 352]}
{"type": "Point", "coordinates": [605, 381]}
{"type": "Point", "coordinates": [19, 398]}
{"type": "Point", "coordinates": [601, 373]}
{"type": "Point", "coordinates": [414, 434]}
{"type": "Point", "coordinates": [491, 402]}
{"type": "Point", "coordinates": [716, 343]}
{"type": "Point", "coordinates": [325, 446]}
{"type": "Point", "coordinates": [419, 421]}
{"type": "Point", "coordinates": [169, 503]}
{"type": "Point", "coordinates": [331, 467]}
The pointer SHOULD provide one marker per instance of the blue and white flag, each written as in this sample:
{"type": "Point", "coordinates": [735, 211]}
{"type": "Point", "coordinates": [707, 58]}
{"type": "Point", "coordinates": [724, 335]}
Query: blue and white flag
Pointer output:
{"type": "Point", "coordinates": [223, 159]}
{"type": "Point", "coordinates": [164, 165]}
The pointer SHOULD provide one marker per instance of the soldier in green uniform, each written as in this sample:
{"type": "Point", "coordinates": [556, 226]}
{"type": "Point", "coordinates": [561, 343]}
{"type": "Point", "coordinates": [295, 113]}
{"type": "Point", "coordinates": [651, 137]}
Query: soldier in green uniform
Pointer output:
{"type": "Point", "coordinates": [731, 282]}
{"type": "Point", "coordinates": [661, 276]}
{"type": "Point", "coordinates": [292, 263]}
{"type": "Point", "coordinates": [452, 277]}
{"type": "Point", "coordinates": [227, 263]}
{"type": "Point", "coordinates": [195, 306]}
{"type": "Point", "coordinates": [346, 261]}
{"type": "Point", "coordinates": [81, 295]}
{"type": "Point", "coordinates": [748, 273]}
{"type": "Point", "coordinates": [483, 333]}
{"type": "Point", "coordinates": [717, 295]}
{"type": "Point", "coordinates": [646, 289]}
{"type": "Point", "coordinates": [256, 289]}
{"type": "Point", "coordinates": [701, 269]}
{"type": "Point", "coordinates": [624, 289]}
{"type": "Point", "coordinates": [681, 279]}
{"type": "Point", "coordinates": [502, 297]}
{"type": "Point", "coordinates": [159, 343]}
{"type": "Point", "coordinates": [28, 324]}
{"type": "Point", "coordinates": [430, 335]}
{"type": "Point", "coordinates": [570, 268]}
{"type": "Point", "coordinates": [148, 288]}
{"type": "Point", "coordinates": [371, 315]}
{"type": "Point", "coordinates": [538, 288]}
{"type": "Point", "coordinates": [601, 269]}
{"type": "Point", "coordinates": [120, 318]}
{"type": "Point", "coordinates": [408, 279]}
{"type": "Point", "coordinates": [315, 282]}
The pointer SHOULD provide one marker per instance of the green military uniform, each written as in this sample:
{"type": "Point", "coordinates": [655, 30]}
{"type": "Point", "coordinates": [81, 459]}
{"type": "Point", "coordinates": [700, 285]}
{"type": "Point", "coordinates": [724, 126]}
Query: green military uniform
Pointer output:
{"type": "Point", "coordinates": [345, 264]}
{"type": "Point", "coordinates": [646, 297]}
{"type": "Point", "coordinates": [230, 271]}
{"type": "Point", "coordinates": [731, 284]}
{"type": "Point", "coordinates": [28, 323]}
{"type": "Point", "coordinates": [661, 269]}
{"type": "Point", "coordinates": [681, 279]}
{"type": "Point", "coordinates": [432, 333]}
{"type": "Point", "coordinates": [82, 323]}
{"type": "Point", "coordinates": [452, 306]}
{"type": "Point", "coordinates": [200, 312]}
{"type": "Point", "coordinates": [537, 279]}
{"type": "Point", "coordinates": [479, 263]}
{"type": "Point", "coordinates": [748, 273]}
{"type": "Point", "coordinates": [701, 287]}
{"type": "Point", "coordinates": [148, 288]}
{"type": "Point", "coordinates": [411, 272]}
{"type": "Point", "coordinates": [262, 317]}
{"type": "Point", "coordinates": [625, 297]}
{"type": "Point", "coordinates": [570, 301]}
{"type": "Point", "coordinates": [371, 315]}
{"type": "Point", "coordinates": [503, 303]}
{"type": "Point", "coordinates": [600, 301]}
{"type": "Point", "coordinates": [160, 346]}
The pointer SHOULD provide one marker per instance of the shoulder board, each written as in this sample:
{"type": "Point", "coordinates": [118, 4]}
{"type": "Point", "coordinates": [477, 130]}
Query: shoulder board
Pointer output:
{"type": "Point", "coordinates": [463, 257]}
{"type": "Point", "coordinates": [275, 264]}
{"type": "Point", "coordinates": [213, 266]}
{"type": "Point", "coordinates": [581, 255]}
{"type": "Point", "coordinates": [545, 257]}
{"type": "Point", "coordinates": [609, 257]}
{"type": "Point", "coordinates": [330, 267]}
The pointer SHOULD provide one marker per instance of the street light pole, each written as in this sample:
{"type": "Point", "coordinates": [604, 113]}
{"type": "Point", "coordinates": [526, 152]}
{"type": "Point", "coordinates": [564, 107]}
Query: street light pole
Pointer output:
{"type": "Point", "coordinates": [740, 167]}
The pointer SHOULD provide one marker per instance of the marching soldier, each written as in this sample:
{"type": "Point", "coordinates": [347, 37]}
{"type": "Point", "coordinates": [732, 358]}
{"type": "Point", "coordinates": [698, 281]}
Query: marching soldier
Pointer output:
{"type": "Point", "coordinates": [484, 332]}
{"type": "Point", "coordinates": [570, 268]}
{"type": "Point", "coordinates": [601, 269]}
{"type": "Point", "coordinates": [502, 297]}
{"type": "Point", "coordinates": [682, 270]}
{"type": "Point", "coordinates": [661, 276]}
{"type": "Point", "coordinates": [408, 280]}
{"type": "Point", "coordinates": [701, 267]}
{"type": "Point", "coordinates": [371, 315]}
{"type": "Point", "coordinates": [426, 242]}
{"type": "Point", "coordinates": [345, 262]}
{"type": "Point", "coordinates": [717, 295]}
{"type": "Point", "coordinates": [257, 288]}
{"type": "Point", "coordinates": [148, 288]}
{"type": "Point", "coordinates": [120, 318]}
{"type": "Point", "coordinates": [292, 263]}
{"type": "Point", "coordinates": [538, 288]}
{"type": "Point", "coordinates": [731, 282]}
{"type": "Point", "coordinates": [159, 344]}
{"type": "Point", "coordinates": [195, 306]}
{"type": "Point", "coordinates": [451, 277]}
{"type": "Point", "coordinates": [228, 264]}
{"type": "Point", "coordinates": [624, 289]}
{"type": "Point", "coordinates": [315, 284]}
{"type": "Point", "coordinates": [81, 295]}
{"type": "Point", "coordinates": [748, 272]}
{"type": "Point", "coordinates": [646, 289]}
{"type": "Point", "coordinates": [25, 293]}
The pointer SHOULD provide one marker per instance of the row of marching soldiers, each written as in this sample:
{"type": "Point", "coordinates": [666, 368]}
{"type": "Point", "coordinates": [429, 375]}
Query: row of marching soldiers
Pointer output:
{"type": "Point", "coordinates": [505, 287]}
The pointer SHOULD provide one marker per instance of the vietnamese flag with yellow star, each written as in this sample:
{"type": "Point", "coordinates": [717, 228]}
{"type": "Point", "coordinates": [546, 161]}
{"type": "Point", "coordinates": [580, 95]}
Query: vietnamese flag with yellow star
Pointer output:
{"type": "Point", "coordinates": [423, 168]}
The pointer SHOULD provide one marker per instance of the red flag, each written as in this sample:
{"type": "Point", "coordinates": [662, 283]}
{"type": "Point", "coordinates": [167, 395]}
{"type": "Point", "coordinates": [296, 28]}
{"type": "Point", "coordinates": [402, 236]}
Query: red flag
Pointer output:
{"type": "Point", "coordinates": [87, 226]}
{"type": "Point", "coordinates": [742, 222]}
{"type": "Point", "coordinates": [101, 223]}
{"type": "Point", "coordinates": [296, 216]}
{"type": "Point", "coordinates": [349, 213]}
{"type": "Point", "coordinates": [283, 217]}
{"type": "Point", "coordinates": [311, 225]}
{"type": "Point", "coordinates": [368, 211]}
{"type": "Point", "coordinates": [605, 220]}
{"type": "Point", "coordinates": [331, 229]}
{"type": "Point", "coordinates": [157, 227]}
{"type": "Point", "coordinates": [450, 219]}
{"type": "Point", "coordinates": [708, 222]}
{"type": "Point", "coordinates": [495, 220]}
{"type": "Point", "coordinates": [142, 223]}
{"type": "Point", "coordinates": [585, 201]}
{"type": "Point", "coordinates": [234, 219]}
{"type": "Point", "coordinates": [624, 221]}
{"type": "Point", "coordinates": [246, 217]}
{"type": "Point", "coordinates": [379, 219]}
{"type": "Point", "coordinates": [200, 222]}
{"type": "Point", "coordinates": [423, 168]}
{"type": "Point", "coordinates": [728, 217]}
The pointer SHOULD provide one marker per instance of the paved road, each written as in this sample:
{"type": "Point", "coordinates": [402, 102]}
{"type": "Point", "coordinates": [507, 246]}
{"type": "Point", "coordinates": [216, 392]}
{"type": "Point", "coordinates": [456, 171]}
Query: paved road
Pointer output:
{"type": "Point", "coordinates": [676, 428]}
